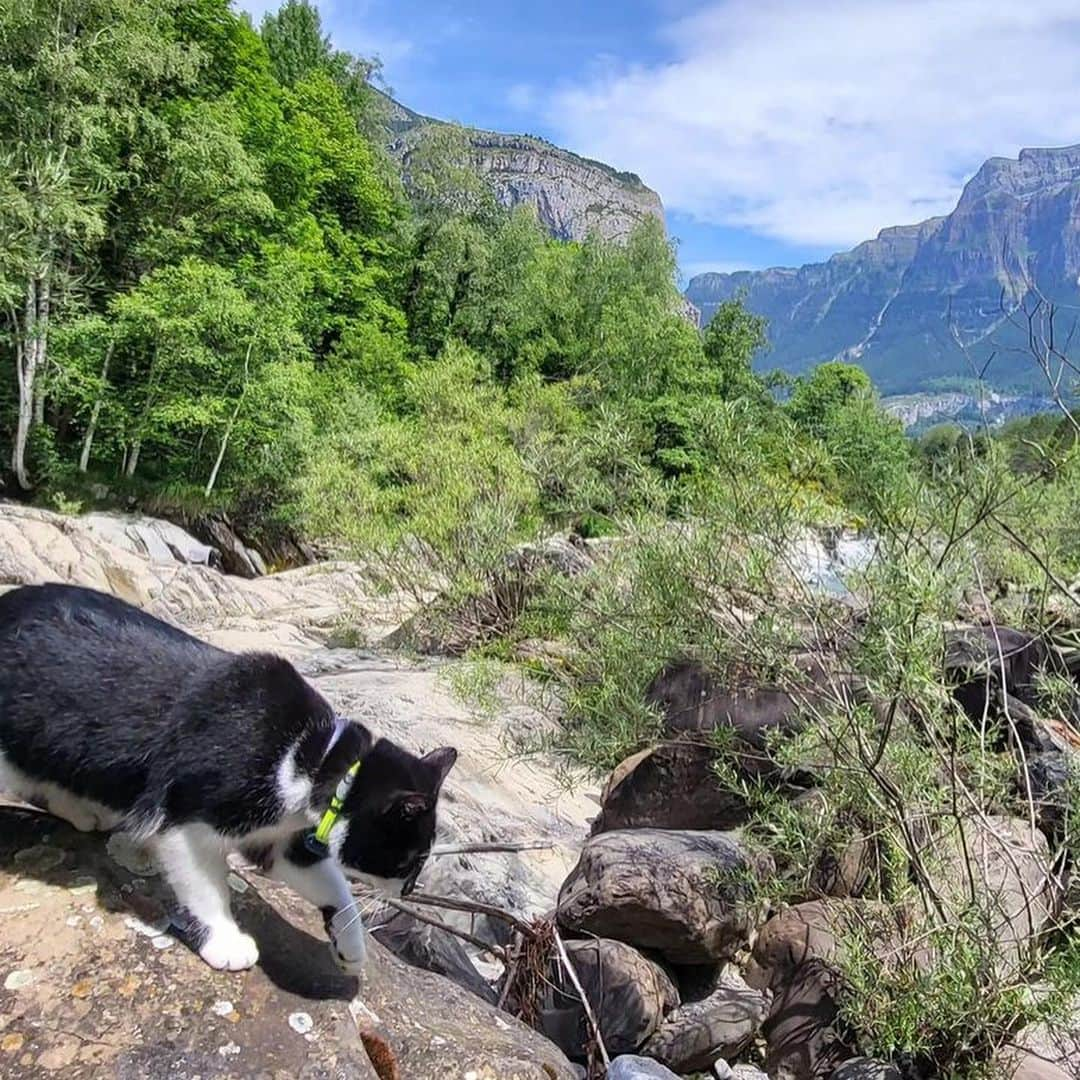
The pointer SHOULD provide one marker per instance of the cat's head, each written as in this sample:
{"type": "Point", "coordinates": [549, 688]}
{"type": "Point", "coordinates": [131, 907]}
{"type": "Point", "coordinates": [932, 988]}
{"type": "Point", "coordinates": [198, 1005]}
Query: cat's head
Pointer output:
{"type": "Point", "coordinates": [389, 815]}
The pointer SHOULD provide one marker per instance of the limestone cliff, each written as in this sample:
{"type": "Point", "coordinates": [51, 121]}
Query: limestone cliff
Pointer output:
{"type": "Point", "coordinates": [573, 196]}
{"type": "Point", "coordinates": [927, 302]}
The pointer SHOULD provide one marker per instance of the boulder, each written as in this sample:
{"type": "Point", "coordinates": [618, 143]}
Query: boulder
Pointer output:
{"type": "Point", "coordinates": [1049, 779]}
{"type": "Point", "coordinates": [867, 1069]}
{"type": "Point", "coordinates": [1048, 1051]}
{"type": "Point", "coordinates": [426, 946]}
{"type": "Point", "coordinates": [984, 662]}
{"type": "Point", "coordinates": [685, 894]}
{"type": "Point", "coordinates": [849, 872]}
{"type": "Point", "coordinates": [693, 700]}
{"type": "Point", "coordinates": [1010, 870]}
{"type": "Point", "coordinates": [629, 1067]}
{"type": "Point", "coordinates": [629, 996]}
{"type": "Point", "coordinates": [721, 1025]}
{"type": "Point", "coordinates": [794, 957]}
{"type": "Point", "coordinates": [670, 786]}
{"type": "Point", "coordinates": [94, 986]}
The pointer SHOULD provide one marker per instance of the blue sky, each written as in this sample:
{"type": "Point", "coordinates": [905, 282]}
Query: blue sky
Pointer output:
{"type": "Point", "coordinates": [776, 131]}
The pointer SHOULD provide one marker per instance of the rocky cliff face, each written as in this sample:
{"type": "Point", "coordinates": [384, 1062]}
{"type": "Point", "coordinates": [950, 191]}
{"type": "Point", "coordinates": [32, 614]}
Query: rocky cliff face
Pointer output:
{"type": "Point", "coordinates": [929, 301]}
{"type": "Point", "coordinates": [573, 196]}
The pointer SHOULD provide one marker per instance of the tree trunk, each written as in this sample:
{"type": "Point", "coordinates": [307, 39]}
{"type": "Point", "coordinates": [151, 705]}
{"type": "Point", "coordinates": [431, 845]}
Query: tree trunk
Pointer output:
{"type": "Point", "coordinates": [133, 458]}
{"type": "Point", "coordinates": [136, 445]}
{"type": "Point", "coordinates": [25, 369]}
{"type": "Point", "coordinates": [41, 334]}
{"type": "Point", "coordinates": [228, 429]}
{"type": "Point", "coordinates": [88, 439]}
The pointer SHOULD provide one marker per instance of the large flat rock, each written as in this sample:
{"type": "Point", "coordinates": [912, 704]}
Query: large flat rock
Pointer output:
{"type": "Point", "coordinates": [91, 986]}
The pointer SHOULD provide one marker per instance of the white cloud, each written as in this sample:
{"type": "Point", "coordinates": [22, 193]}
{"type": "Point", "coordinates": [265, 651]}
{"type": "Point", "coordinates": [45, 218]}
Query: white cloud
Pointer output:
{"type": "Point", "coordinates": [819, 123]}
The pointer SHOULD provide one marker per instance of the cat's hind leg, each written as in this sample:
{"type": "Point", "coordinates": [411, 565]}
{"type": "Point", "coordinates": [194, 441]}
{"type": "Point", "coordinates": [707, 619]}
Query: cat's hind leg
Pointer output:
{"type": "Point", "coordinates": [319, 880]}
{"type": "Point", "coordinates": [192, 858]}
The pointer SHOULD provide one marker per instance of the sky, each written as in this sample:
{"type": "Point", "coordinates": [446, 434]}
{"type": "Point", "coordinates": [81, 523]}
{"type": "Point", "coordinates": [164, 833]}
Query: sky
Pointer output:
{"type": "Point", "coordinates": [775, 131]}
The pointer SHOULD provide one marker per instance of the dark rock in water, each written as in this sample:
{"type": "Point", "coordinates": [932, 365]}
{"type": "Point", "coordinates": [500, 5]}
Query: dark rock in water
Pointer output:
{"type": "Point", "coordinates": [628, 993]}
{"type": "Point", "coordinates": [628, 1067]}
{"type": "Point", "coordinates": [696, 1035]}
{"type": "Point", "coordinates": [686, 895]}
{"type": "Point", "coordinates": [867, 1069]}
{"type": "Point", "coordinates": [428, 947]}
{"type": "Point", "coordinates": [670, 786]}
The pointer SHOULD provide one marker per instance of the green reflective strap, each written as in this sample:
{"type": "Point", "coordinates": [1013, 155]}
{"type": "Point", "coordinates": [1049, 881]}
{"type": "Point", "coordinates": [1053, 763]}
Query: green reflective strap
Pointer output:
{"type": "Point", "coordinates": [326, 823]}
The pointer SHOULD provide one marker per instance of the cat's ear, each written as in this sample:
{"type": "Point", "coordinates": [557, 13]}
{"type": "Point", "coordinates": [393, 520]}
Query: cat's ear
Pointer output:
{"type": "Point", "coordinates": [412, 804]}
{"type": "Point", "coordinates": [440, 762]}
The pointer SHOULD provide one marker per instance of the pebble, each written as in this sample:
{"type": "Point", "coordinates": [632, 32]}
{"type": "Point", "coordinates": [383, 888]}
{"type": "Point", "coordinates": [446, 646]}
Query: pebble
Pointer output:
{"type": "Point", "coordinates": [17, 980]}
{"type": "Point", "coordinates": [73, 920]}
{"type": "Point", "coordinates": [164, 941]}
{"type": "Point", "coordinates": [146, 929]}
{"type": "Point", "coordinates": [301, 1023]}
{"type": "Point", "coordinates": [237, 883]}
{"type": "Point", "coordinates": [230, 1049]}
{"type": "Point", "coordinates": [12, 1043]}
{"type": "Point", "coordinates": [221, 1008]}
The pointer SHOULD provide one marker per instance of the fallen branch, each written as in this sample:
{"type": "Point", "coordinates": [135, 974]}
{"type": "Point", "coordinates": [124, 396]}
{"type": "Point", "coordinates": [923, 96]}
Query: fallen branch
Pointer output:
{"type": "Point", "coordinates": [472, 939]}
{"type": "Point", "coordinates": [473, 907]}
{"type": "Point", "coordinates": [479, 848]}
{"type": "Point", "coordinates": [564, 957]}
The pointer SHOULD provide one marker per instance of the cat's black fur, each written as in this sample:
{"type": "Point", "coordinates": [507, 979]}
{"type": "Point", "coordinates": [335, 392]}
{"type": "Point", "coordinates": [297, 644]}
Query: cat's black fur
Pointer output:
{"type": "Point", "coordinates": [113, 718]}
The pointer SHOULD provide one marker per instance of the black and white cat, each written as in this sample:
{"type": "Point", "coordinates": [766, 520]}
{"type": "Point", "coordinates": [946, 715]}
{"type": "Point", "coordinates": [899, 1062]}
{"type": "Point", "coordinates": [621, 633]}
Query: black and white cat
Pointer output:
{"type": "Point", "coordinates": [113, 719]}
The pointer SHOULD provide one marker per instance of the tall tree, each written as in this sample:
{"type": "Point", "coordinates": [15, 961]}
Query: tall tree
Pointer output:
{"type": "Point", "coordinates": [74, 77]}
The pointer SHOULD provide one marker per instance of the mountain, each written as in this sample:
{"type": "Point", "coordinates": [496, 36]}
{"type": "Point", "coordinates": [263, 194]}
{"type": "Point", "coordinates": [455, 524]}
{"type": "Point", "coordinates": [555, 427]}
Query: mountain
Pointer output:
{"type": "Point", "coordinates": [898, 304]}
{"type": "Point", "coordinates": [573, 196]}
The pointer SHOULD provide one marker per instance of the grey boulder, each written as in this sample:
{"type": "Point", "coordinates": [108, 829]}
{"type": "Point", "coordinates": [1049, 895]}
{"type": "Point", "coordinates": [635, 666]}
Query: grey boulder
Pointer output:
{"type": "Point", "coordinates": [721, 1025]}
{"type": "Point", "coordinates": [629, 1067]}
{"type": "Point", "coordinates": [687, 895]}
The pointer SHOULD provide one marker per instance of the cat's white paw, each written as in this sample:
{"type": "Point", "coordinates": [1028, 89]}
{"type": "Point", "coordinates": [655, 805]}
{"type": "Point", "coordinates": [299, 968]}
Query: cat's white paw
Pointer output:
{"type": "Point", "coordinates": [227, 949]}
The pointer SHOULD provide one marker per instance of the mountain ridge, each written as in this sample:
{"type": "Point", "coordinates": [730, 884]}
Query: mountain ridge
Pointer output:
{"type": "Point", "coordinates": [929, 301]}
{"type": "Point", "coordinates": [572, 195]}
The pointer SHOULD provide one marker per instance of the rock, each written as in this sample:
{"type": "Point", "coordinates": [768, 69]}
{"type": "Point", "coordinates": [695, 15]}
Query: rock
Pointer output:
{"type": "Point", "coordinates": [691, 699]}
{"type": "Point", "coordinates": [428, 947]}
{"type": "Point", "coordinates": [1014, 880]}
{"type": "Point", "coordinates": [113, 999]}
{"type": "Point", "coordinates": [1018, 1064]}
{"type": "Point", "coordinates": [850, 872]}
{"type": "Point", "coordinates": [670, 786]}
{"type": "Point", "coordinates": [161, 542]}
{"type": "Point", "coordinates": [451, 626]}
{"type": "Point", "coordinates": [747, 1072]}
{"type": "Point", "coordinates": [629, 996]}
{"type": "Point", "coordinates": [685, 894]}
{"type": "Point", "coordinates": [867, 1069]}
{"type": "Point", "coordinates": [236, 557]}
{"type": "Point", "coordinates": [982, 662]}
{"type": "Point", "coordinates": [1048, 1051]}
{"type": "Point", "coordinates": [629, 1067]}
{"type": "Point", "coordinates": [695, 1035]}
{"type": "Point", "coordinates": [1050, 779]}
{"type": "Point", "coordinates": [794, 957]}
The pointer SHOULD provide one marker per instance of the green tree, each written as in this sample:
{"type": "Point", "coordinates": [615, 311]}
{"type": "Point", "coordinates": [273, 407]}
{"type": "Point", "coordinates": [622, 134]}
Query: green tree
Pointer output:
{"type": "Point", "coordinates": [75, 77]}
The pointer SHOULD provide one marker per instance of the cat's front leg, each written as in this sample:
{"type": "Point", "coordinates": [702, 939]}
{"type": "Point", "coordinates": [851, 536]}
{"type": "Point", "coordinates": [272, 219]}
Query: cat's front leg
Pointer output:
{"type": "Point", "coordinates": [192, 859]}
{"type": "Point", "coordinates": [320, 881]}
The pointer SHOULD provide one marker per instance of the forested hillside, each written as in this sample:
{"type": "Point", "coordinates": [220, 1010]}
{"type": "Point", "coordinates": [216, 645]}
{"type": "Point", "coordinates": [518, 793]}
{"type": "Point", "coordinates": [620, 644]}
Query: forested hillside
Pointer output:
{"type": "Point", "coordinates": [216, 292]}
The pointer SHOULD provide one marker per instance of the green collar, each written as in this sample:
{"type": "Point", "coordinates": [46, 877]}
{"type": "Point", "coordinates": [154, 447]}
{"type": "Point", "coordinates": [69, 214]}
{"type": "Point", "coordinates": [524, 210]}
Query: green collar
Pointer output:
{"type": "Point", "coordinates": [319, 837]}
